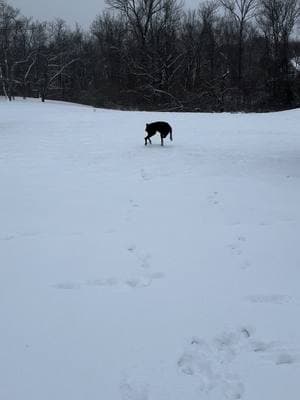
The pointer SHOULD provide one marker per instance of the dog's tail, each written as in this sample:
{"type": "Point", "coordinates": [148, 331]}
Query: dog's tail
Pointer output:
{"type": "Point", "coordinates": [171, 137]}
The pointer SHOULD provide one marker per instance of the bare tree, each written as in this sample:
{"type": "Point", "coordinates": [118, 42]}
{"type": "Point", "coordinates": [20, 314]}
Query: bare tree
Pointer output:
{"type": "Point", "coordinates": [8, 29]}
{"type": "Point", "coordinates": [208, 18]}
{"type": "Point", "coordinates": [242, 11]}
{"type": "Point", "coordinates": [277, 19]}
{"type": "Point", "coordinates": [149, 50]}
{"type": "Point", "coordinates": [139, 14]}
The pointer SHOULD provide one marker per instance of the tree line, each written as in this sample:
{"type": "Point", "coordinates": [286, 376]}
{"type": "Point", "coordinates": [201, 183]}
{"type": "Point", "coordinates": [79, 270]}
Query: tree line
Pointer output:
{"type": "Point", "coordinates": [226, 55]}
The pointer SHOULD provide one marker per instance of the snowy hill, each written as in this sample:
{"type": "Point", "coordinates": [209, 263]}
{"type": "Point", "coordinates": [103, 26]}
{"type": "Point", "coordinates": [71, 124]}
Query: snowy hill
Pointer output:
{"type": "Point", "coordinates": [148, 273]}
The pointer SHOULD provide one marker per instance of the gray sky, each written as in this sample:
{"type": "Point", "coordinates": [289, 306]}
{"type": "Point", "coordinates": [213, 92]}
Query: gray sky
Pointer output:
{"type": "Point", "coordinates": [81, 11]}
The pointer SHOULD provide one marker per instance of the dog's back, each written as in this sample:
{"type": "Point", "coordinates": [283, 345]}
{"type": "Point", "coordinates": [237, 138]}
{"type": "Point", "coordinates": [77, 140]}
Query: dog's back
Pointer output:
{"type": "Point", "coordinates": [160, 126]}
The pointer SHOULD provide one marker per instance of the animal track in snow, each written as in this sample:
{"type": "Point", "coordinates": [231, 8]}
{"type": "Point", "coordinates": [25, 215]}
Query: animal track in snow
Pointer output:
{"type": "Point", "coordinates": [211, 363]}
{"type": "Point", "coordinates": [236, 247]}
{"type": "Point", "coordinates": [138, 282]}
{"type": "Point", "coordinates": [66, 286]}
{"type": "Point", "coordinates": [134, 282]}
{"type": "Point", "coordinates": [7, 237]}
{"type": "Point", "coordinates": [18, 235]}
{"type": "Point", "coordinates": [156, 275]}
{"type": "Point", "coordinates": [143, 280]}
{"type": "Point", "coordinates": [275, 352]}
{"type": "Point", "coordinates": [213, 198]}
{"type": "Point", "coordinates": [285, 358]}
{"type": "Point", "coordinates": [270, 299]}
{"type": "Point", "coordinates": [145, 176]}
{"type": "Point", "coordinates": [103, 282]}
{"type": "Point", "coordinates": [237, 250]}
{"type": "Point", "coordinates": [133, 391]}
{"type": "Point", "coordinates": [131, 248]}
{"type": "Point", "coordinates": [133, 205]}
{"type": "Point", "coordinates": [143, 259]}
{"type": "Point", "coordinates": [140, 279]}
{"type": "Point", "coordinates": [232, 387]}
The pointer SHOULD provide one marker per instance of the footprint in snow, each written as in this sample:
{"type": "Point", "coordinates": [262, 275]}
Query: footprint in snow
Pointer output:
{"type": "Point", "coordinates": [134, 282]}
{"type": "Point", "coordinates": [134, 391]}
{"type": "Point", "coordinates": [66, 286]}
{"type": "Point", "coordinates": [19, 235]}
{"type": "Point", "coordinates": [270, 299]}
{"type": "Point", "coordinates": [236, 247]}
{"type": "Point", "coordinates": [143, 259]}
{"type": "Point", "coordinates": [209, 363]}
{"type": "Point", "coordinates": [237, 250]}
{"type": "Point", "coordinates": [145, 176]}
{"type": "Point", "coordinates": [131, 248]}
{"type": "Point", "coordinates": [143, 280]}
{"type": "Point", "coordinates": [232, 387]}
{"type": "Point", "coordinates": [213, 198]}
{"type": "Point", "coordinates": [138, 282]}
{"type": "Point", "coordinates": [103, 282]}
{"type": "Point", "coordinates": [285, 358]}
{"type": "Point", "coordinates": [134, 204]}
{"type": "Point", "coordinates": [7, 237]}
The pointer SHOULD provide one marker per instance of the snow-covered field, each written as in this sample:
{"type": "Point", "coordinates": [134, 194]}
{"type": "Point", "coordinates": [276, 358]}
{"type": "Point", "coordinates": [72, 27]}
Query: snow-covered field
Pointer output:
{"type": "Point", "coordinates": [148, 273]}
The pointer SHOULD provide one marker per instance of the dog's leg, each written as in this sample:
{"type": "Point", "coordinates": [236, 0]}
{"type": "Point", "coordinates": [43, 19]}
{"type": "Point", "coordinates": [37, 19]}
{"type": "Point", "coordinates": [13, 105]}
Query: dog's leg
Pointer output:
{"type": "Point", "coordinates": [147, 138]}
{"type": "Point", "coordinates": [161, 140]}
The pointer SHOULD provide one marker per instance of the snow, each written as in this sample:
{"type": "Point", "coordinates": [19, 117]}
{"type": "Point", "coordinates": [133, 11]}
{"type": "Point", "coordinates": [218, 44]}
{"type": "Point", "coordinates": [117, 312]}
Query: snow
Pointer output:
{"type": "Point", "coordinates": [296, 63]}
{"type": "Point", "coordinates": [148, 273]}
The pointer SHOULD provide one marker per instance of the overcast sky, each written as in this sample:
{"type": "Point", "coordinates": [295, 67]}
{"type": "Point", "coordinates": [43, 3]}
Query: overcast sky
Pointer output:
{"type": "Point", "coordinates": [81, 11]}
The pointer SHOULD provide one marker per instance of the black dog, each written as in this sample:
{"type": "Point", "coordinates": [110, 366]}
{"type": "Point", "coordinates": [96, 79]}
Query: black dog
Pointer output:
{"type": "Point", "coordinates": [162, 127]}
